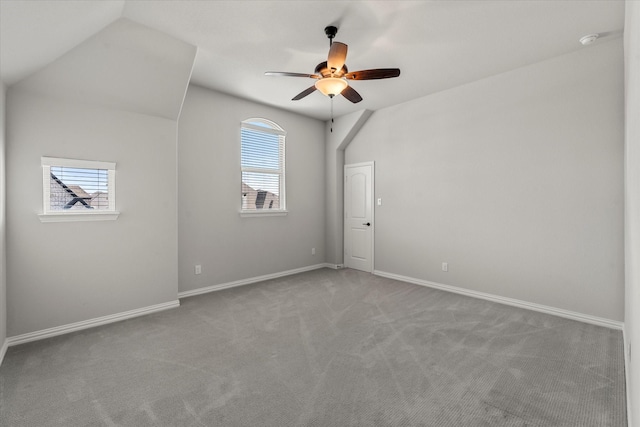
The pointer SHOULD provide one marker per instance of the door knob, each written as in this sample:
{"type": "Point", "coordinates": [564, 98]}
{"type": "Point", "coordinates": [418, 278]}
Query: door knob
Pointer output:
{"type": "Point", "coordinates": [367, 224]}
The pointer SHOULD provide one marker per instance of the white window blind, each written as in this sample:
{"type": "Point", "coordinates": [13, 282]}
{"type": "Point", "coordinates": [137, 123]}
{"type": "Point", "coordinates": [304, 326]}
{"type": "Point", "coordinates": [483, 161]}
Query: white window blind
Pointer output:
{"type": "Point", "coordinates": [73, 187]}
{"type": "Point", "coordinates": [262, 164]}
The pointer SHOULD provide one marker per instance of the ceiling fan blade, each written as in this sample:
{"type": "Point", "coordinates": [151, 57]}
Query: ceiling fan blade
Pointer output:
{"type": "Point", "coordinates": [337, 56]}
{"type": "Point", "coordinates": [351, 94]}
{"type": "Point", "coordinates": [285, 74]}
{"type": "Point", "coordinates": [378, 73]}
{"type": "Point", "coordinates": [304, 93]}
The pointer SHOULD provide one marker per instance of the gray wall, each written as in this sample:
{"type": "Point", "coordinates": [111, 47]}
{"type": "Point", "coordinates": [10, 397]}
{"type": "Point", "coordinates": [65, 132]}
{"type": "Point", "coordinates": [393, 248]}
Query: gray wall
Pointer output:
{"type": "Point", "coordinates": [632, 203]}
{"type": "Point", "coordinates": [67, 272]}
{"type": "Point", "coordinates": [211, 231]}
{"type": "Point", "coordinates": [515, 180]}
{"type": "Point", "coordinates": [3, 254]}
{"type": "Point", "coordinates": [61, 273]}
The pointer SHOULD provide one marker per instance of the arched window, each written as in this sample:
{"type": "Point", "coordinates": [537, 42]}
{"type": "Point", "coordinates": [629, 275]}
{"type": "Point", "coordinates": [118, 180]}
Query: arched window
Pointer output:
{"type": "Point", "coordinates": [262, 165]}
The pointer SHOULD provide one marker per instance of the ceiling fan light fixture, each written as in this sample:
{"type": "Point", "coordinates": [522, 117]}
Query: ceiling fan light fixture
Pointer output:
{"type": "Point", "coordinates": [332, 75]}
{"type": "Point", "coordinates": [331, 86]}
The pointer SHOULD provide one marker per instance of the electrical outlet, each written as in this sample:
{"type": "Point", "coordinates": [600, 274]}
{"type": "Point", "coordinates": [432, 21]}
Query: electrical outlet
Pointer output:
{"type": "Point", "coordinates": [313, 251]}
{"type": "Point", "coordinates": [445, 266]}
{"type": "Point", "coordinates": [198, 269]}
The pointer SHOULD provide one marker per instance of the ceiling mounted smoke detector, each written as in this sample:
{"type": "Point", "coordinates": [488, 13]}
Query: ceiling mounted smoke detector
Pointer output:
{"type": "Point", "coordinates": [587, 40]}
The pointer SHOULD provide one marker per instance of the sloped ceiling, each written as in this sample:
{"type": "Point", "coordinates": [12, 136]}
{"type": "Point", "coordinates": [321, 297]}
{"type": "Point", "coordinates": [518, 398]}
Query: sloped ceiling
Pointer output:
{"type": "Point", "coordinates": [35, 33]}
{"type": "Point", "coordinates": [126, 65]}
{"type": "Point", "coordinates": [436, 44]}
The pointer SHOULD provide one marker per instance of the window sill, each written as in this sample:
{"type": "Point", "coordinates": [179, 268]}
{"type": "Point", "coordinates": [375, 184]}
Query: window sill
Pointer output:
{"type": "Point", "coordinates": [248, 214]}
{"type": "Point", "coordinates": [78, 216]}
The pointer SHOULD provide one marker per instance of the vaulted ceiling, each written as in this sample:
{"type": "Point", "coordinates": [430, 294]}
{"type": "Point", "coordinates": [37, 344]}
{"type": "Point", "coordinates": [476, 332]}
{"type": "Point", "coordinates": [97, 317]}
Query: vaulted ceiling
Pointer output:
{"type": "Point", "coordinates": [436, 44]}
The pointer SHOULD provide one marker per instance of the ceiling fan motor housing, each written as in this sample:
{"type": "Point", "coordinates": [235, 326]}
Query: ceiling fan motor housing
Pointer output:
{"type": "Point", "coordinates": [323, 70]}
{"type": "Point", "coordinates": [331, 31]}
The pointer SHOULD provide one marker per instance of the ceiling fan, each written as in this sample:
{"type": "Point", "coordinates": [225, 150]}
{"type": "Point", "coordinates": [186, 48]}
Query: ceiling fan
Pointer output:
{"type": "Point", "coordinates": [332, 75]}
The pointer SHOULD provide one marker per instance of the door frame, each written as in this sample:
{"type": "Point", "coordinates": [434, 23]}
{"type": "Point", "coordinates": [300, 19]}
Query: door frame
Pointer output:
{"type": "Point", "coordinates": [373, 210]}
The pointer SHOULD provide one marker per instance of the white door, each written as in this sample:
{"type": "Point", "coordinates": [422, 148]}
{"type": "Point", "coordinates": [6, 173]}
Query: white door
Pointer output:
{"type": "Point", "coordinates": [358, 222]}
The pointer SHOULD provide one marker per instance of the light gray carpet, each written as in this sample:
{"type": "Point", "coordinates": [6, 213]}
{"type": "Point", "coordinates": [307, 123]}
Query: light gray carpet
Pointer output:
{"type": "Point", "coordinates": [323, 348]}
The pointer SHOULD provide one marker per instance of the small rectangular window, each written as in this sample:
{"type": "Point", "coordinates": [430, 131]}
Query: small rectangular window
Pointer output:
{"type": "Point", "coordinates": [262, 166]}
{"type": "Point", "coordinates": [78, 190]}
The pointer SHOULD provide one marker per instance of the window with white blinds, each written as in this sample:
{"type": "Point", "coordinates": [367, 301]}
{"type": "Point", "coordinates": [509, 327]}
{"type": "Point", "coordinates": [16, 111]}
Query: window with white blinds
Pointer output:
{"type": "Point", "coordinates": [77, 187]}
{"type": "Point", "coordinates": [262, 158]}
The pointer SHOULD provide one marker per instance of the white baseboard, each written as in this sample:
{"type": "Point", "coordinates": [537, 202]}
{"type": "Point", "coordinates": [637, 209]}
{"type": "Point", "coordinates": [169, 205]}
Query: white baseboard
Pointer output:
{"type": "Point", "coordinates": [607, 323]}
{"type": "Point", "coordinates": [85, 324]}
{"type": "Point", "coordinates": [250, 280]}
{"type": "Point", "coordinates": [3, 350]}
{"type": "Point", "coordinates": [334, 266]}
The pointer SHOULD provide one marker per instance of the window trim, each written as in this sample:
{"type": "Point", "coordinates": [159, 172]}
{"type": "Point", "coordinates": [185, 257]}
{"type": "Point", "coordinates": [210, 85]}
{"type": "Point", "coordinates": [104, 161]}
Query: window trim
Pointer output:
{"type": "Point", "coordinates": [267, 212]}
{"type": "Point", "coordinates": [272, 128]}
{"type": "Point", "coordinates": [49, 215]}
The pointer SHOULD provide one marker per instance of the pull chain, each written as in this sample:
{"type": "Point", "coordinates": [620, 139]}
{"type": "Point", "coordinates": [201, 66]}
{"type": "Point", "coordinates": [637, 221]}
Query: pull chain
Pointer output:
{"type": "Point", "coordinates": [332, 114]}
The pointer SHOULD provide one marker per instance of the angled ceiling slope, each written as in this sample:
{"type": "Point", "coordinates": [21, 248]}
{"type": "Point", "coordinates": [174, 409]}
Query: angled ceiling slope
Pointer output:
{"type": "Point", "coordinates": [35, 33]}
{"type": "Point", "coordinates": [126, 66]}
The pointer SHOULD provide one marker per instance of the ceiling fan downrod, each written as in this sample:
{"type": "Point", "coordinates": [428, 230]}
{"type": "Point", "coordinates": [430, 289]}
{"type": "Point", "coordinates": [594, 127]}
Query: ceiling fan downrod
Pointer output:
{"type": "Point", "coordinates": [331, 32]}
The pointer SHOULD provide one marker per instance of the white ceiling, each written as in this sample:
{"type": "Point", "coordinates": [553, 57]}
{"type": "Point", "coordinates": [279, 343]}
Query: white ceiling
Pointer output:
{"type": "Point", "coordinates": [436, 44]}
